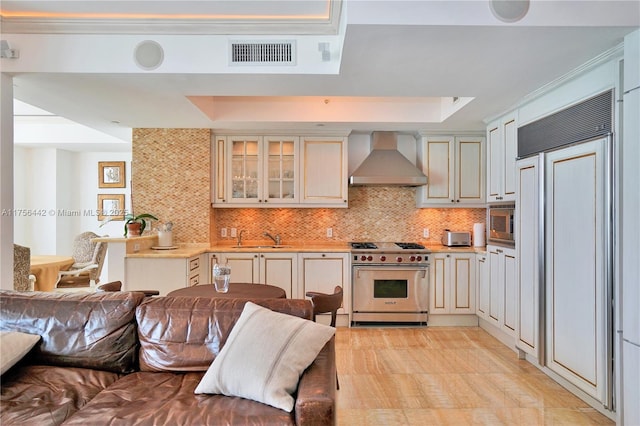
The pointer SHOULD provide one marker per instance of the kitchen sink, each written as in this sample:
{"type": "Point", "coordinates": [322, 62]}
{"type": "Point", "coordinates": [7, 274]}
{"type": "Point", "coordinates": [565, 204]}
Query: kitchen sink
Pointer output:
{"type": "Point", "coordinates": [262, 247]}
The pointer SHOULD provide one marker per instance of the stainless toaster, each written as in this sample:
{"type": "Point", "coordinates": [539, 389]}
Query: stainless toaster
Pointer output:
{"type": "Point", "coordinates": [456, 238]}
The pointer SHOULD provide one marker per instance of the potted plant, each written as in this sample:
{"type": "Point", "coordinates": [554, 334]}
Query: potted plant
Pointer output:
{"type": "Point", "coordinates": [134, 225]}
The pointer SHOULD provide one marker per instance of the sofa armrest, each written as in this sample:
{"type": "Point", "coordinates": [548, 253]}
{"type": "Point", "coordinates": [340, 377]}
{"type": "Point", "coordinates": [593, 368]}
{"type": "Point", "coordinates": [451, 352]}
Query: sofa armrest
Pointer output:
{"type": "Point", "coordinates": [316, 398]}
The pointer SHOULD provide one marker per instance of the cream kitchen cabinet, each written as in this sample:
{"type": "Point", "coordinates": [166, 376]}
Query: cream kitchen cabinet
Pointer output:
{"type": "Point", "coordinates": [322, 272]}
{"type": "Point", "coordinates": [279, 269]}
{"type": "Point", "coordinates": [164, 274]}
{"type": "Point", "coordinates": [528, 274]}
{"type": "Point", "coordinates": [502, 150]}
{"type": "Point", "coordinates": [279, 171]}
{"type": "Point", "coordinates": [455, 169]}
{"type": "Point", "coordinates": [255, 170]}
{"type": "Point", "coordinates": [482, 289]}
{"type": "Point", "coordinates": [324, 172]}
{"type": "Point", "coordinates": [502, 288]}
{"type": "Point", "coordinates": [453, 283]}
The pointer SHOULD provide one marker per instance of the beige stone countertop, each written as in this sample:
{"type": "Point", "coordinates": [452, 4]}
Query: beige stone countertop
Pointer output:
{"type": "Point", "coordinates": [295, 246]}
{"type": "Point", "coordinates": [439, 248]}
{"type": "Point", "coordinates": [190, 250]}
{"type": "Point", "coordinates": [181, 251]}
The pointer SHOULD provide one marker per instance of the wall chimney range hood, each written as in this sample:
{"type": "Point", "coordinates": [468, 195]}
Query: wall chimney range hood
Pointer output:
{"type": "Point", "coordinates": [386, 166]}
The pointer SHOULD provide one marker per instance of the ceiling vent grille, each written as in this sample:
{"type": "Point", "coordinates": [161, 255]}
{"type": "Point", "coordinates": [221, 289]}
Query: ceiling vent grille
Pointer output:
{"type": "Point", "coordinates": [258, 53]}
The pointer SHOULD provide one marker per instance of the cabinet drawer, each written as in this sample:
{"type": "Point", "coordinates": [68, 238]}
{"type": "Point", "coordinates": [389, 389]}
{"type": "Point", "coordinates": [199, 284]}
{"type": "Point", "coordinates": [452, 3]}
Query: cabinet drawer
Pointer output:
{"type": "Point", "coordinates": [194, 264]}
{"type": "Point", "coordinates": [194, 280]}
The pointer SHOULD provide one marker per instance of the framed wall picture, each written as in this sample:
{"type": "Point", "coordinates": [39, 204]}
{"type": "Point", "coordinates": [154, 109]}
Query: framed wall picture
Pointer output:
{"type": "Point", "coordinates": [111, 174]}
{"type": "Point", "coordinates": [110, 206]}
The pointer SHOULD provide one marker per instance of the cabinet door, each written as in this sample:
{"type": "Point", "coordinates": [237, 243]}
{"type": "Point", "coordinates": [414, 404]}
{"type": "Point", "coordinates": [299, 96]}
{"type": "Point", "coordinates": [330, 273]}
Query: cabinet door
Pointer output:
{"type": "Point", "coordinates": [322, 272]}
{"type": "Point", "coordinates": [510, 292]}
{"type": "Point", "coordinates": [244, 169]}
{"type": "Point", "coordinates": [469, 169]}
{"type": "Point", "coordinates": [463, 288]}
{"type": "Point", "coordinates": [439, 269]}
{"type": "Point", "coordinates": [496, 286]}
{"type": "Point", "coordinates": [219, 170]}
{"type": "Point", "coordinates": [495, 163]}
{"type": "Point", "coordinates": [527, 227]}
{"type": "Point", "coordinates": [437, 155]}
{"type": "Point", "coordinates": [510, 135]}
{"type": "Point", "coordinates": [502, 150]}
{"type": "Point", "coordinates": [578, 338]}
{"type": "Point", "coordinates": [324, 172]}
{"type": "Point", "coordinates": [280, 270]}
{"type": "Point", "coordinates": [245, 267]}
{"type": "Point", "coordinates": [281, 170]}
{"type": "Point", "coordinates": [483, 291]}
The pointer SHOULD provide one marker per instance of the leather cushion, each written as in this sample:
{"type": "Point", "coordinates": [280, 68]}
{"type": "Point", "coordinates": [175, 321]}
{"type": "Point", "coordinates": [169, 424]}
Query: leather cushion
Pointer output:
{"type": "Point", "coordinates": [88, 330]}
{"type": "Point", "coordinates": [187, 333]}
{"type": "Point", "coordinates": [163, 398]}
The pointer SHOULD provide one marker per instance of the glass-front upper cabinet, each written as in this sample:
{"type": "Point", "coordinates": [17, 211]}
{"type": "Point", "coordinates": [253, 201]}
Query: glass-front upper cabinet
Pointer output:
{"type": "Point", "coordinates": [245, 168]}
{"type": "Point", "coordinates": [255, 170]}
{"type": "Point", "coordinates": [281, 169]}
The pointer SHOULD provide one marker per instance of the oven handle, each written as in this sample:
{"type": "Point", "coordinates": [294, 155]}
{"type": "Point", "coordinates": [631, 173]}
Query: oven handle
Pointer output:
{"type": "Point", "coordinates": [423, 269]}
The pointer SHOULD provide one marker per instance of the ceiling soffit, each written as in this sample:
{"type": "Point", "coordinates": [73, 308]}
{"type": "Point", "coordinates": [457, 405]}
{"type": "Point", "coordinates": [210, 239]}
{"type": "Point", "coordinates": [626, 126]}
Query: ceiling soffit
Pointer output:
{"type": "Point", "coordinates": [257, 17]}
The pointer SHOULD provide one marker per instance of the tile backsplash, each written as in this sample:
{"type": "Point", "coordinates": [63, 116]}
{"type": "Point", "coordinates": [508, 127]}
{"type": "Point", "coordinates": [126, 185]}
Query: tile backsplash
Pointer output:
{"type": "Point", "coordinates": [374, 214]}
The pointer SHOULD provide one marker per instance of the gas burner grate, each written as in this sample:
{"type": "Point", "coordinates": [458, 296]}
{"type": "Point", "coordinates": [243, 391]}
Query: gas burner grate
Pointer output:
{"type": "Point", "coordinates": [410, 246]}
{"type": "Point", "coordinates": [369, 246]}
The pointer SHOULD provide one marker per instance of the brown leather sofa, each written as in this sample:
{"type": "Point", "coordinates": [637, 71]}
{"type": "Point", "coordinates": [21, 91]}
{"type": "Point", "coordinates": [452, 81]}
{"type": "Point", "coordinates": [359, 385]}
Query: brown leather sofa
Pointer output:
{"type": "Point", "coordinates": [120, 359]}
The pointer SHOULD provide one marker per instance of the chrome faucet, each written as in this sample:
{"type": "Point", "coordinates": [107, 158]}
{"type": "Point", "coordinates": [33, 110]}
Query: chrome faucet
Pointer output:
{"type": "Point", "coordinates": [240, 237]}
{"type": "Point", "coordinates": [275, 239]}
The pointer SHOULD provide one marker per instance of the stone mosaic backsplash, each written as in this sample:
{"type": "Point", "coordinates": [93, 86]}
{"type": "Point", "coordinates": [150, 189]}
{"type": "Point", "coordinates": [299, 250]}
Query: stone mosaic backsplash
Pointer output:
{"type": "Point", "coordinates": [374, 214]}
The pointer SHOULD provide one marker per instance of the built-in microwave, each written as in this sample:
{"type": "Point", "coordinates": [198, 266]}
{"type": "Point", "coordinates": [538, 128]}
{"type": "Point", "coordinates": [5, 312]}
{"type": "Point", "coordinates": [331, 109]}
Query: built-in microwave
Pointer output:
{"type": "Point", "coordinates": [501, 224]}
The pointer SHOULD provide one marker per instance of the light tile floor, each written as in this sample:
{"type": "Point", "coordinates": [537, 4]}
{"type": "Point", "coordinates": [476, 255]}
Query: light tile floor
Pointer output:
{"type": "Point", "coordinates": [446, 376]}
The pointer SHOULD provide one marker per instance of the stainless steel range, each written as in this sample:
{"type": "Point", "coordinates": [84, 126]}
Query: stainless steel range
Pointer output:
{"type": "Point", "coordinates": [390, 282]}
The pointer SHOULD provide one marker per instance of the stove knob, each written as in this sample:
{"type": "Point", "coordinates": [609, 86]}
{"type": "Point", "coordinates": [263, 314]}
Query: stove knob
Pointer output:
{"type": "Point", "coordinates": [370, 258]}
{"type": "Point", "coordinates": [363, 258]}
{"type": "Point", "coordinates": [412, 258]}
{"type": "Point", "coordinates": [419, 258]}
{"type": "Point", "coordinates": [399, 259]}
{"type": "Point", "coordinates": [383, 258]}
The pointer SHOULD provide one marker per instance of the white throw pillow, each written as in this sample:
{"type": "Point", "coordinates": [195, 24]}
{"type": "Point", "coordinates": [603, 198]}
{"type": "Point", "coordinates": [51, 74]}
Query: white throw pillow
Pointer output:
{"type": "Point", "coordinates": [14, 346]}
{"type": "Point", "coordinates": [264, 357]}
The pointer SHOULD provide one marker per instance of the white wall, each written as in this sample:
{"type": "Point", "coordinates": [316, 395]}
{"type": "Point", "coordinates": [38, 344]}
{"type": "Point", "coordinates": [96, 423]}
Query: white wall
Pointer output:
{"type": "Point", "coordinates": [58, 191]}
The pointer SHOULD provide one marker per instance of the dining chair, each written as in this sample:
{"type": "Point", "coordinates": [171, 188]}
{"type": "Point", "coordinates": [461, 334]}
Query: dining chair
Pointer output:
{"type": "Point", "coordinates": [327, 303]}
{"type": "Point", "coordinates": [112, 286]}
{"type": "Point", "coordinates": [88, 257]}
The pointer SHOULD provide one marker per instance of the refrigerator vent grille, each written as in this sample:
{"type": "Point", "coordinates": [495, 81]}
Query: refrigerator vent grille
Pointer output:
{"type": "Point", "coordinates": [280, 53]}
{"type": "Point", "coordinates": [586, 120]}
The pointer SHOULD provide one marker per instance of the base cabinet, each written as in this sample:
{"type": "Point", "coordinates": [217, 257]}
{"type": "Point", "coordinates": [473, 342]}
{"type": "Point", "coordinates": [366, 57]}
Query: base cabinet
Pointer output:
{"type": "Point", "coordinates": [277, 269]}
{"type": "Point", "coordinates": [162, 274]}
{"type": "Point", "coordinates": [322, 272]}
{"type": "Point", "coordinates": [502, 288]}
{"type": "Point", "coordinates": [453, 284]}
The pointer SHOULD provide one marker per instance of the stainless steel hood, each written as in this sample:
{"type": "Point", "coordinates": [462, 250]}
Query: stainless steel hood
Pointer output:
{"type": "Point", "coordinates": [386, 166]}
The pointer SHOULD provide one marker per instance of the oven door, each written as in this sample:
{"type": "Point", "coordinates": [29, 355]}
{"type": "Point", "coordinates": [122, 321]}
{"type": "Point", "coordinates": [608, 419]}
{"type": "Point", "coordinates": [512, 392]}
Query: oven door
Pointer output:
{"type": "Point", "coordinates": [390, 289]}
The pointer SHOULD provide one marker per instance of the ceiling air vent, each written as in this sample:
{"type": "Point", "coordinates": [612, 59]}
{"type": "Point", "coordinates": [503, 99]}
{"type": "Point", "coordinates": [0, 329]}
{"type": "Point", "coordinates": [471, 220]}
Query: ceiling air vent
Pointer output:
{"type": "Point", "coordinates": [260, 53]}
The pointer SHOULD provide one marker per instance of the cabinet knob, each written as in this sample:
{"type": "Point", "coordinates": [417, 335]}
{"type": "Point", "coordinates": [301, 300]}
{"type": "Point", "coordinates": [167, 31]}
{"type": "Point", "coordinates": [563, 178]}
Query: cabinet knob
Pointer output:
{"type": "Point", "coordinates": [324, 255]}
{"type": "Point", "coordinates": [266, 201]}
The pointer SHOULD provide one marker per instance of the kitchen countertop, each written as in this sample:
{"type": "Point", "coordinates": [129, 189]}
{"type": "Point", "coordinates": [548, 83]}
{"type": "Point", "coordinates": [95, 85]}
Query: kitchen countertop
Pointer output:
{"type": "Point", "coordinates": [190, 250]}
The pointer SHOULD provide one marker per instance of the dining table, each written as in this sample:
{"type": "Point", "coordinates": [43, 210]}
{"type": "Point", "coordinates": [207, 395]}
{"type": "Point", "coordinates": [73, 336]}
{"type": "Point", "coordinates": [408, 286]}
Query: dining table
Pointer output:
{"type": "Point", "coordinates": [46, 267]}
{"type": "Point", "coordinates": [236, 291]}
